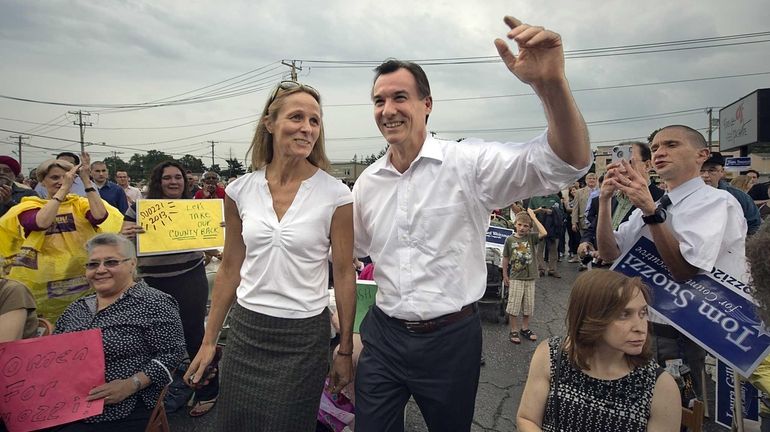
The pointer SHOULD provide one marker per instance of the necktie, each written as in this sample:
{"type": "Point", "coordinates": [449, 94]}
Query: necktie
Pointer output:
{"type": "Point", "coordinates": [664, 202]}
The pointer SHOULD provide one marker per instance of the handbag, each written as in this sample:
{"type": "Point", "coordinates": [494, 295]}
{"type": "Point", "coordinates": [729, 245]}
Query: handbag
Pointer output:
{"type": "Point", "coordinates": [158, 420]}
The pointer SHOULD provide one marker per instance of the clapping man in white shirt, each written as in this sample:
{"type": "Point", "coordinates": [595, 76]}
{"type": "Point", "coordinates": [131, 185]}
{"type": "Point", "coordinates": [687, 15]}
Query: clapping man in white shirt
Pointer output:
{"type": "Point", "coordinates": [694, 227]}
{"type": "Point", "coordinates": [421, 212]}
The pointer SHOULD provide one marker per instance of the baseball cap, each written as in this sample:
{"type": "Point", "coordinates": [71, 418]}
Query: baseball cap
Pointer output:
{"type": "Point", "coordinates": [715, 158]}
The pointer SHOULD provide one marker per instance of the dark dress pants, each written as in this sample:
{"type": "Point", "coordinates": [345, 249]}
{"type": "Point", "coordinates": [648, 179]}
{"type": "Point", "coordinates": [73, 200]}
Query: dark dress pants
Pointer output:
{"type": "Point", "coordinates": [439, 369]}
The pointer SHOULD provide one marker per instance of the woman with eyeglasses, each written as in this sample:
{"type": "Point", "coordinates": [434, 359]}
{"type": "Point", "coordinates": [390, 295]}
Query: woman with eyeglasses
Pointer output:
{"type": "Point", "coordinates": [182, 276]}
{"type": "Point", "coordinates": [141, 333]}
{"type": "Point", "coordinates": [601, 376]}
{"type": "Point", "coordinates": [281, 220]}
{"type": "Point", "coordinates": [42, 239]}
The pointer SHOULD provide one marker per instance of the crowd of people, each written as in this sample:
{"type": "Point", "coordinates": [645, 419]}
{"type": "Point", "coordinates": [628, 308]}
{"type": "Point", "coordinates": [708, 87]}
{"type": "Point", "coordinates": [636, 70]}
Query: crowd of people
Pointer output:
{"type": "Point", "coordinates": [420, 214]}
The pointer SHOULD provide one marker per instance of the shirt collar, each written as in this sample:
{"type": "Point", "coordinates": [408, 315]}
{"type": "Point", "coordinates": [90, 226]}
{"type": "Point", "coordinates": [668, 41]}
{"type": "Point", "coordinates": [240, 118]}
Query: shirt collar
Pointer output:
{"type": "Point", "coordinates": [135, 290]}
{"type": "Point", "coordinates": [685, 189]}
{"type": "Point", "coordinates": [431, 149]}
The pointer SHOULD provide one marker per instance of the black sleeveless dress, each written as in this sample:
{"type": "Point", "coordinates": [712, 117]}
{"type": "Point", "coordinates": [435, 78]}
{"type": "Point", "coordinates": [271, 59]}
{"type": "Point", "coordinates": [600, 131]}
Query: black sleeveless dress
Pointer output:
{"type": "Point", "coordinates": [591, 404]}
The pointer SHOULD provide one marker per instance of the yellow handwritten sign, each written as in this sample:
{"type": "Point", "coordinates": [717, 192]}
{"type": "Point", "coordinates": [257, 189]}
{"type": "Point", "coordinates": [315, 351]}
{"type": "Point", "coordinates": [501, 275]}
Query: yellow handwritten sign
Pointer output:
{"type": "Point", "coordinates": [172, 226]}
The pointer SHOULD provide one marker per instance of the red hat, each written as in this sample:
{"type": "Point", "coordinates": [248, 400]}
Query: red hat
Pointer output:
{"type": "Point", "coordinates": [12, 164]}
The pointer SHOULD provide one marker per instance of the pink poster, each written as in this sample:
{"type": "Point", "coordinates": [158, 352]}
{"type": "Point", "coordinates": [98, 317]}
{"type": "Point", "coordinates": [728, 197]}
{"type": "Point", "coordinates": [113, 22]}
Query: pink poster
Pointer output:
{"type": "Point", "coordinates": [44, 381]}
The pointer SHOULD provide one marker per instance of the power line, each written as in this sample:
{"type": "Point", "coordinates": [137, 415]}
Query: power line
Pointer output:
{"type": "Point", "coordinates": [647, 48]}
{"type": "Point", "coordinates": [219, 82]}
{"type": "Point", "coordinates": [235, 87]}
{"type": "Point", "coordinates": [457, 99]}
{"type": "Point", "coordinates": [588, 89]}
{"type": "Point", "coordinates": [262, 84]}
{"type": "Point", "coordinates": [43, 136]}
{"type": "Point", "coordinates": [654, 116]}
{"type": "Point", "coordinates": [82, 125]}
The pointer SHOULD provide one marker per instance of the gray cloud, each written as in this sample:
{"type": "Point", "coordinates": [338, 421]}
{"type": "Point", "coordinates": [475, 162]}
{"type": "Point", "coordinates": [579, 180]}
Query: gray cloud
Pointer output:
{"type": "Point", "coordinates": [134, 51]}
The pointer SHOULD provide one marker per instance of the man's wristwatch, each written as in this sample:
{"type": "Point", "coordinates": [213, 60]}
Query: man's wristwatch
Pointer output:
{"type": "Point", "coordinates": [90, 189]}
{"type": "Point", "coordinates": [658, 217]}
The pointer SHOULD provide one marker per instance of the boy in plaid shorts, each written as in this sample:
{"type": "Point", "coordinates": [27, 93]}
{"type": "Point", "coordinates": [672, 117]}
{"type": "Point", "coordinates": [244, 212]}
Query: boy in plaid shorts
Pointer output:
{"type": "Point", "coordinates": [520, 272]}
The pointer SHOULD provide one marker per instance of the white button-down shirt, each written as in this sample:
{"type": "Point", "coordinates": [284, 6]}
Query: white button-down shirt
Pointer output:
{"type": "Point", "coordinates": [425, 229]}
{"type": "Point", "coordinates": [285, 270]}
{"type": "Point", "coordinates": [707, 222]}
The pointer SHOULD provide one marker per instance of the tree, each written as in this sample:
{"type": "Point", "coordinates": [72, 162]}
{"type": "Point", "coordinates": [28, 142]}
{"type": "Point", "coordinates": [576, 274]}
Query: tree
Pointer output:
{"type": "Point", "coordinates": [234, 169]}
{"type": "Point", "coordinates": [373, 157]}
{"type": "Point", "coordinates": [192, 163]}
{"type": "Point", "coordinates": [215, 168]}
{"type": "Point", "coordinates": [115, 164]}
{"type": "Point", "coordinates": [140, 165]}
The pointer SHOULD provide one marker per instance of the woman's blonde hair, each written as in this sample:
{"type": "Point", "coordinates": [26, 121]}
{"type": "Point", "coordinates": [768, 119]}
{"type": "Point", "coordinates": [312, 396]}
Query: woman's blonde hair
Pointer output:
{"type": "Point", "coordinates": [742, 182]}
{"type": "Point", "coordinates": [261, 148]}
{"type": "Point", "coordinates": [42, 170]}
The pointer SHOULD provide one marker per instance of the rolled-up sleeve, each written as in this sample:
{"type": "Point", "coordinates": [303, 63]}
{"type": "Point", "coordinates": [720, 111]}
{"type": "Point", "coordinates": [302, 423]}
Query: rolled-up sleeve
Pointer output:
{"type": "Point", "coordinates": [511, 171]}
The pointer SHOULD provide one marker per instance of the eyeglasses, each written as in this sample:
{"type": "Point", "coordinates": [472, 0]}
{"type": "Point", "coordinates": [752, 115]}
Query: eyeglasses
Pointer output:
{"type": "Point", "coordinates": [712, 170]}
{"type": "Point", "coordinates": [108, 263]}
{"type": "Point", "coordinates": [291, 85]}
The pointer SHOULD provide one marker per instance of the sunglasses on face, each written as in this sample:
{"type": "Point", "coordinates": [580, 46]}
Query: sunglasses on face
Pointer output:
{"type": "Point", "coordinates": [108, 263]}
{"type": "Point", "coordinates": [291, 85]}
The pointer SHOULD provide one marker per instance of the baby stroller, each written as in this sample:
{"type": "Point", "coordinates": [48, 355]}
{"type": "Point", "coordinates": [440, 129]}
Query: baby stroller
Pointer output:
{"type": "Point", "coordinates": [496, 293]}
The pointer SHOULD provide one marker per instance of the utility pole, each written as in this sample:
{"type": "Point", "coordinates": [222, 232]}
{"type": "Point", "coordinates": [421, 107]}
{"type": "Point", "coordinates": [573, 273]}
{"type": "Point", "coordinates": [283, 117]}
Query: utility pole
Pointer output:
{"type": "Point", "coordinates": [82, 127]}
{"type": "Point", "coordinates": [709, 113]}
{"type": "Point", "coordinates": [20, 138]}
{"type": "Point", "coordinates": [115, 161]}
{"type": "Point", "coordinates": [212, 151]}
{"type": "Point", "coordinates": [294, 68]}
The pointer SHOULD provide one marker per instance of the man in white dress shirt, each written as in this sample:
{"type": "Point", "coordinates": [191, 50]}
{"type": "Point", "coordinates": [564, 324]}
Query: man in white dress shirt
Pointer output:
{"type": "Point", "coordinates": [694, 227]}
{"type": "Point", "coordinates": [421, 212]}
{"type": "Point", "coordinates": [132, 193]}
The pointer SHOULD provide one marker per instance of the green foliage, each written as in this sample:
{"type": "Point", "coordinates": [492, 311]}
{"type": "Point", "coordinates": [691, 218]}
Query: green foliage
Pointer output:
{"type": "Point", "coordinates": [140, 166]}
{"type": "Point", "coordinates": [115, 164]}
{"type": "Point", "coordinates": [234, 169]}
{"type": "Point", "coordinates": [373, 157]}
{"type": "Point", "coordinates": [192, 163]}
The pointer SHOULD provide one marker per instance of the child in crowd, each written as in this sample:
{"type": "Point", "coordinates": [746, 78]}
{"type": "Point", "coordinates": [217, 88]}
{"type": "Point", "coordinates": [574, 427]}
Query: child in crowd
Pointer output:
{"type": "Point", "coordinates": [520, 272]}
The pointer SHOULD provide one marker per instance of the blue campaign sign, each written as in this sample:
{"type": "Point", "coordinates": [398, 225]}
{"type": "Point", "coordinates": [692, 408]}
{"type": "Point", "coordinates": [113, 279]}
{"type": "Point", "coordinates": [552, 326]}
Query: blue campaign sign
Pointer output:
{"type": "Point", "coordinates": [712, 309]}
{"type": "Point", "coordinates": [738, 162]}
{"type": "Point", "coordinates": [496, 236]}
{"type": "Point", "coordinates": [725, 390]}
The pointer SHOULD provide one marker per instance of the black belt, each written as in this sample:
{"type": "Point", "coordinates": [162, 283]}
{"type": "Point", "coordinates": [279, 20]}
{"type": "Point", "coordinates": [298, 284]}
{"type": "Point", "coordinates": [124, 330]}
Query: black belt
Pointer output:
{"type": "Point", "coordinates": [431, 325]}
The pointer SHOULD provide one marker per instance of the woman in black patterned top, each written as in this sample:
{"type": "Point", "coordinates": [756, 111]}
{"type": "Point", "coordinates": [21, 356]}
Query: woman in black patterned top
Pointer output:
{"type": "Point", "coordinates": [181, 275]}
{"type": "Point", "coordinates": [141, 333]}
{"type": "Point", "coordinates": [600, 377]}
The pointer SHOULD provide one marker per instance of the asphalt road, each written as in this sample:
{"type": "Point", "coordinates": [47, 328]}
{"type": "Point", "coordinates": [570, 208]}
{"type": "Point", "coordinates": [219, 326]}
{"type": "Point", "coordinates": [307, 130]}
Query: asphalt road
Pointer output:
{"type": "Point", "coordinates": [502, 378]}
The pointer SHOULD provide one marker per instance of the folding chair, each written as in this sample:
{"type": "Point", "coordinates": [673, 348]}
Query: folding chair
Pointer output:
{"type": "Point", "coordinates": [44, 327]}
{"type": "Point", "coordinates": [692, 419]}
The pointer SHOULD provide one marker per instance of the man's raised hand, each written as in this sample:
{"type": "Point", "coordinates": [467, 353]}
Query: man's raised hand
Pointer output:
{"type": "Point", "coordinates": [541, 56]}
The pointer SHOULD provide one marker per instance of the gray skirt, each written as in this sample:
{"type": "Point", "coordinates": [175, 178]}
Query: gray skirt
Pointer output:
{"type": "Point", "coordinates": [272, 372]}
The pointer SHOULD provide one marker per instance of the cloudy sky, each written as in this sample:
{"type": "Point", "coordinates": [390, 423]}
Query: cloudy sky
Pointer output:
{"type": "Point", "coordinates": [105, 57]}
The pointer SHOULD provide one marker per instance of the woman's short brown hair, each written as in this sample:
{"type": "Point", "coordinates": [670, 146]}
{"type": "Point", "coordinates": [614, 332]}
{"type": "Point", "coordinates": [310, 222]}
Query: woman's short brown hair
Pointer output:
{"type": "Point", "coordinates": [597, 299]}
{"type": "Point", "coordinates": [261, 148]}
{"type": "Point", "coordinates": [42, 170]}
